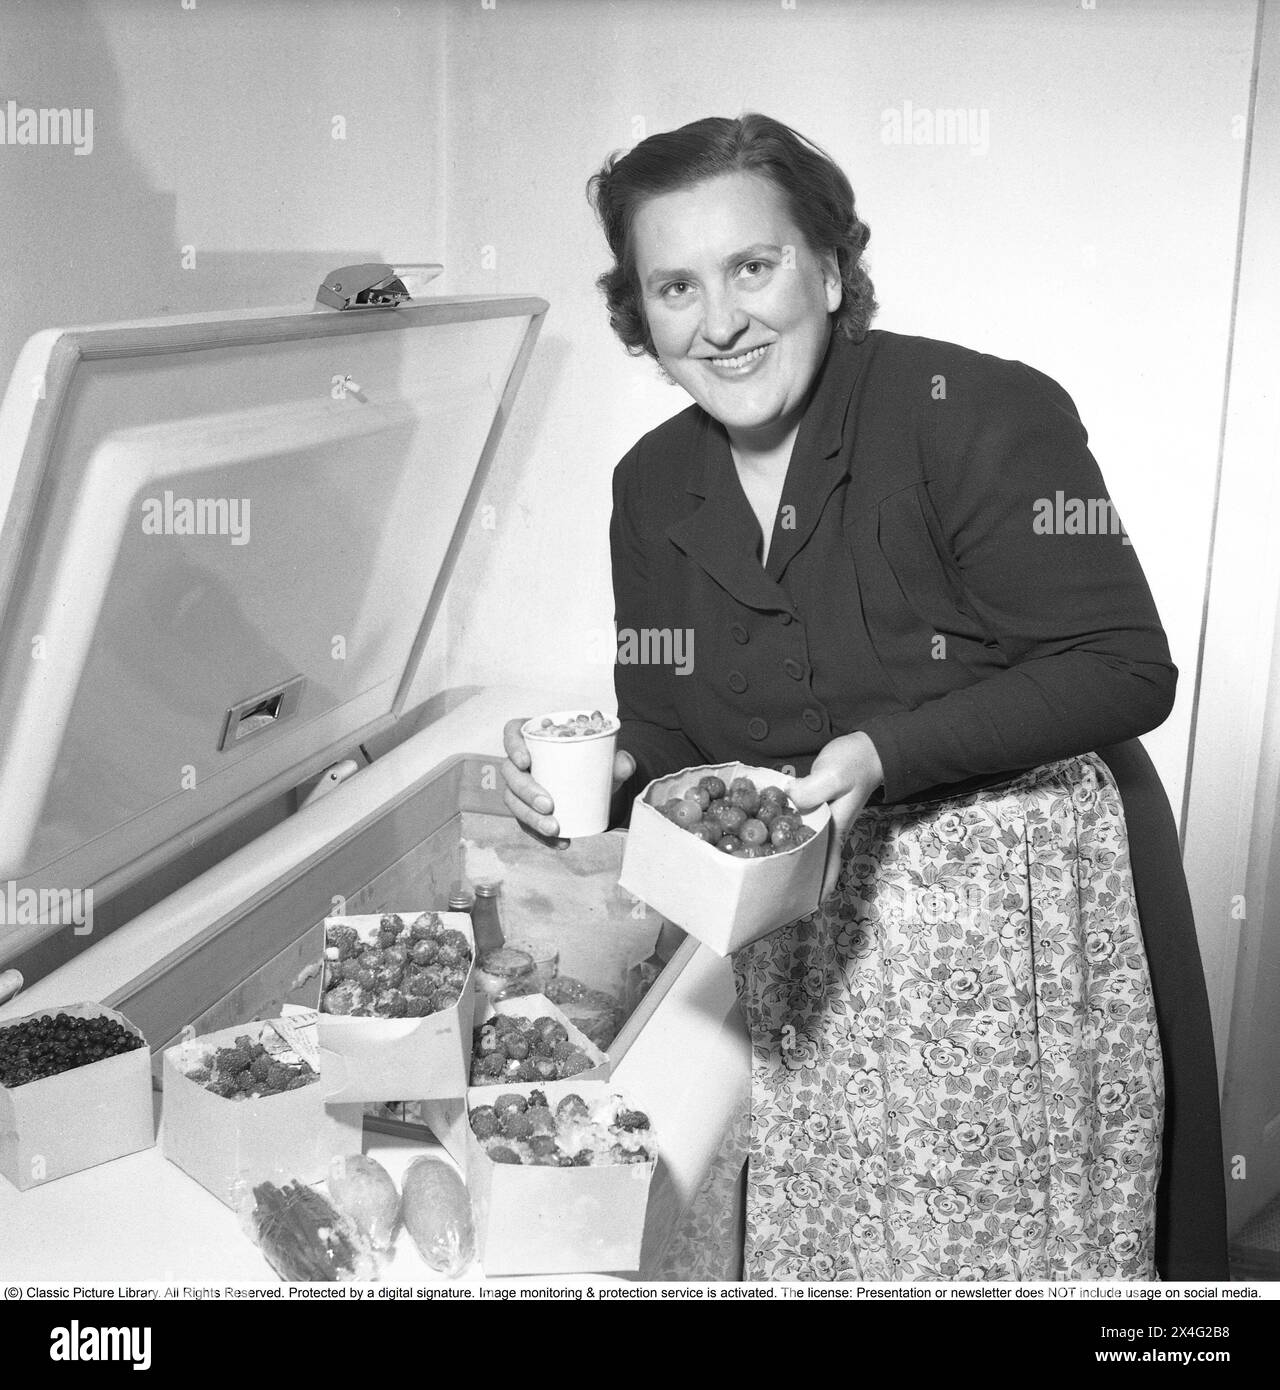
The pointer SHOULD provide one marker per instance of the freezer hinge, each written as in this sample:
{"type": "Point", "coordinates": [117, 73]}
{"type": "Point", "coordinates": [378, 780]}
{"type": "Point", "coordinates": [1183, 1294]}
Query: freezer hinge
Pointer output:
{"type": "Point", "coordinates": [374, 285]}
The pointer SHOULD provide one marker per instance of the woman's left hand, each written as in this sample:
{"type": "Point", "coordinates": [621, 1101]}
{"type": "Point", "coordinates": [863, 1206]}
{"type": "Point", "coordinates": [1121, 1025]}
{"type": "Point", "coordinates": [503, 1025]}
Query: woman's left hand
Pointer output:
{"type": "Point", "coordinates": [844, 774]}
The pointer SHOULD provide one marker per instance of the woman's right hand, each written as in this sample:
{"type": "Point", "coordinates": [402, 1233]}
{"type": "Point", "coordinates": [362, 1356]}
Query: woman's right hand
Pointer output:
{"type": "Point", "coordinates": [526, 800]}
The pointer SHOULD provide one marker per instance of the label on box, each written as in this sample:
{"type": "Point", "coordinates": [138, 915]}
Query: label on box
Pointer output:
{"type": "Point", "coordinates": [298, 1033]}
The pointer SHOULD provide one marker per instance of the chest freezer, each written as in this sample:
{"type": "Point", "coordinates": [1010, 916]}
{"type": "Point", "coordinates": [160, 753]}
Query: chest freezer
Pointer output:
{"type": "Point", "coordinates": [225, 541]}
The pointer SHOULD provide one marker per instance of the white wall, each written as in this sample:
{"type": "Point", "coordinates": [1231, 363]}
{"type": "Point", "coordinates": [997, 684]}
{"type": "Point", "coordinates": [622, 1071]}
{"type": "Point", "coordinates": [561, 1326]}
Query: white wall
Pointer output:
{"type": "Point", "coordinates": [1094, 239]}
{"type": "Point", "coordinates": [213, 130]}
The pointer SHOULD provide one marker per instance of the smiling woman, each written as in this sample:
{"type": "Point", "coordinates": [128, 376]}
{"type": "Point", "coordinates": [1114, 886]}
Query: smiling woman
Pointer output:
{"type": "Point", "coordinates": [959, 1069]}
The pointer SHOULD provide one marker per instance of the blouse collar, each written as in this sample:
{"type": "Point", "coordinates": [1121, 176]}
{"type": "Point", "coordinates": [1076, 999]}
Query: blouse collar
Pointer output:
{"type": "Point", "coordinates": [723, 533]}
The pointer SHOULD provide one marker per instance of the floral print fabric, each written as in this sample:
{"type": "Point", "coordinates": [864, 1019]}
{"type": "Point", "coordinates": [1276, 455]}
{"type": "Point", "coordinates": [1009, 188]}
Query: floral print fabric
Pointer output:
{"type": "Point", "coordinates": [956, 1072]}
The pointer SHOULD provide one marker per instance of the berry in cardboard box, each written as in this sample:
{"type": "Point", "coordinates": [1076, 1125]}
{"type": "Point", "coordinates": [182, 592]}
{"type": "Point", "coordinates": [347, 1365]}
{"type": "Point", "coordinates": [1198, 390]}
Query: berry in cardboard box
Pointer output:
{"type": "Point", "coordinates": [409, 970]}
{"type": "Point", "coordinates": [49, 1044]}
{"type": "Point", "coordinates": [75, 1091]}
{"type": "Point", "coordinates": [741, 819]}
{"type": "Point", "coordinates": [721, 852]}
{"type": "Point", "coordinates": [509, 1047]}
{"type": "Point", "coordinates": [395, 1005]}
{"type": "Point", "coordinates": [571, 1134]}
{"type": "Point", "coordinates": [249, 1070]}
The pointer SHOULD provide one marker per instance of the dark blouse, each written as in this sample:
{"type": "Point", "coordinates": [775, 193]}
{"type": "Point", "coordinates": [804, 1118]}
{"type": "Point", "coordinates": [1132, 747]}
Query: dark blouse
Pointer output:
{"type": "Point", "coordinates": [911, 590]}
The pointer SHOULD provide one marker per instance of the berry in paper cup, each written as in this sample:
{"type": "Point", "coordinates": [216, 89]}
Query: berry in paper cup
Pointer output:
{"type": "Point", "coordinates": [571, 755]}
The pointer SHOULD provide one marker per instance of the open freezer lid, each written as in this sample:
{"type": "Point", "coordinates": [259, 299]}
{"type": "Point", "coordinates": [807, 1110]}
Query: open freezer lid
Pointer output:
{"type": "Point", "coordinates": [224, 540]}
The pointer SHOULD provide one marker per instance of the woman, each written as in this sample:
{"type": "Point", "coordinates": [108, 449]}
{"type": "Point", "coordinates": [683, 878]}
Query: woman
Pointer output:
{"type": "Point", "coordinates": [957, 1070]}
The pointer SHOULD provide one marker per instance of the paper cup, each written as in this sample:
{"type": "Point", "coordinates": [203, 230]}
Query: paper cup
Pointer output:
{"type": "Point", "coordinates": [577, 772]}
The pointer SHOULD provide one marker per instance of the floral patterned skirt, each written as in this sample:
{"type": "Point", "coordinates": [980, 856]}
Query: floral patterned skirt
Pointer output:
{"type": "Point", "coordinates": [956, 1071]}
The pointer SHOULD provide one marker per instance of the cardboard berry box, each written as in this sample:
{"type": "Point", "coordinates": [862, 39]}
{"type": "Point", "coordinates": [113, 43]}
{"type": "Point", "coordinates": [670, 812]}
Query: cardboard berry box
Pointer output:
{"type": "Point", "coordinates": [447, 1119]}
{"type": "Point", "coordinates": [534, 1220]}
{"type": "Point", "coordinates": [222, 1143]}
{"type": "Point", "coordinates": [77, 1119]}
{"type": "Point", "coordinates": [725, 902]}
{"type": "Point", "coordinates": [393, 1059]}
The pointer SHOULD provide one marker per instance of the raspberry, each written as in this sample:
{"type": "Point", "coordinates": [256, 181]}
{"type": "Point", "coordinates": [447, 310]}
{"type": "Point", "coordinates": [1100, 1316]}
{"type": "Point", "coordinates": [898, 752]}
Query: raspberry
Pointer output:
{"type": "Point", "coordinates": [511, 1100]}
{"type": "Point", "coordinates": [631, 1120]}
{"type": "Point", "coordinates": [229, 1061]}
{"type": "Point", "coordinates": [500, 1153]}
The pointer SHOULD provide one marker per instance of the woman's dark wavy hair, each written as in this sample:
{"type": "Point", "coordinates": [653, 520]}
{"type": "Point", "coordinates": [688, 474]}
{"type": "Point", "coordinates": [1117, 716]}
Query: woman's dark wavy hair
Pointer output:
{"type": "Point", "coordinates": [818, 194]}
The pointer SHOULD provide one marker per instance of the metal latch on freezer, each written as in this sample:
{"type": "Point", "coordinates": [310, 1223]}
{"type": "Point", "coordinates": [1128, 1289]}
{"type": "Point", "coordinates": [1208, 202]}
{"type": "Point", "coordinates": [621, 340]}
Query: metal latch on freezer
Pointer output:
{"type": "Point", "coordinates": [259, 712]}
{"type": "Point", "coordinates": [374, 285]}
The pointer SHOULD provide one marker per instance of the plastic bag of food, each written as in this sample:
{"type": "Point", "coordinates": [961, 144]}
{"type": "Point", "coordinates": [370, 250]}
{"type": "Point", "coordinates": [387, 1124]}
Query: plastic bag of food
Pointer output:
{"type": "Point", "coordinates": [364, 1192]}
{"type": "Point", "coordinates": [436, 1207]}
{"type": "Point", "coordinates": [303, 1236]}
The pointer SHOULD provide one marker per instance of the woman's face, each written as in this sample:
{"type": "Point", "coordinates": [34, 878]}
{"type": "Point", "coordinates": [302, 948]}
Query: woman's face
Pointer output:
{"type": "Point", "coordinates": [736, 302]}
